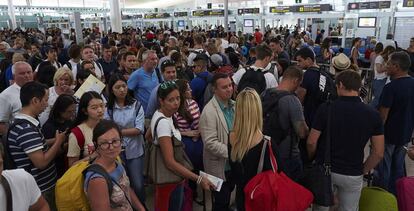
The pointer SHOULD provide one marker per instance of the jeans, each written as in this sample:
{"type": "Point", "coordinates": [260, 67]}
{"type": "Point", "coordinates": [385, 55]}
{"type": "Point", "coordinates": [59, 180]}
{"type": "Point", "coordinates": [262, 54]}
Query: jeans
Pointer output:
{"type": "Point", "coordinates": [391, 168]}
{"type": "Point", "coordinates": [348, 190]}
{"type": "Point", "coordinates": [377, 87]}
{"type": "Point", "coordinates": [176, 198]}
{"type": "Point", "coordinates": [221, 200]}
{"type": "Point", "coordinates": [135, 169]}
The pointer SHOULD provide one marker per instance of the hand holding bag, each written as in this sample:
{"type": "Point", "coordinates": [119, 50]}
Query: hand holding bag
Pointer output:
{"type": "Point", "coordinates": [158, 173]}
{"type": "Point", "coordinates": [317, 176]}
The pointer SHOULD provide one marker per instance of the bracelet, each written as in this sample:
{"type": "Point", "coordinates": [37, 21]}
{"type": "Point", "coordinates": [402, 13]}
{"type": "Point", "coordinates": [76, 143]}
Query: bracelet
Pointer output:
{"type": "Point", "coordinates": [199, 179]}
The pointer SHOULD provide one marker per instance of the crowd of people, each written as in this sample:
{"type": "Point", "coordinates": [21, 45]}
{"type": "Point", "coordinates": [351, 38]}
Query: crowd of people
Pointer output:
{"type": "Point", "coordinates": [210, 94]}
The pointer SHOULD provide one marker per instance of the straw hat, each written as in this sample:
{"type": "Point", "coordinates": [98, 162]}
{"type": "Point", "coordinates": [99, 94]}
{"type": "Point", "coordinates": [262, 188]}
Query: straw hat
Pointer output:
{"type": "Point", "coordinates": [341, 62]}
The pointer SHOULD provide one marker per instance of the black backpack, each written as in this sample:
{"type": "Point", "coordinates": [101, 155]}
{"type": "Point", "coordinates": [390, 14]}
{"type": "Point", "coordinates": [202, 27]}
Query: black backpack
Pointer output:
{"type": "Point", "coordinates": [208, 92]}
{"type": "Point", "coordinates": [327, 87]}
{"type": "Point", "coordinates": [254, 79]}
{"type": "Point", "coordinates": [8, 162]}
{"type": "Point", "coordinates": [271, 115]}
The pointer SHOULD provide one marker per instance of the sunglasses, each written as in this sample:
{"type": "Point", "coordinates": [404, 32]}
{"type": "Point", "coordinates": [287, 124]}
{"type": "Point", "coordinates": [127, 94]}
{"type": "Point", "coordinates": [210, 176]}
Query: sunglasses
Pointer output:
{"type": "Point", "coordinates": [168, 85]}
{"type": "Point", "coordinates": [168, 63]}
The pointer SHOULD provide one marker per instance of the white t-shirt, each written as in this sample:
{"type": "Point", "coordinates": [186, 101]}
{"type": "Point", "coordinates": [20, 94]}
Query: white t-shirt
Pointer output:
{"type": "Point", "coordinates": [74, 67]}
{"type": "Point", "coordinates": [25, 192]}
{"type": "Point", "coordinates": [52, 99]}
{"type": "Point", "coordinates": [165, 127]}
{"type": "Point", "coordinates": [271, 81]}
{"type": "Point", "coordinates": [379, 60]}
{"type": "Point", "coordinates": [10, 103]}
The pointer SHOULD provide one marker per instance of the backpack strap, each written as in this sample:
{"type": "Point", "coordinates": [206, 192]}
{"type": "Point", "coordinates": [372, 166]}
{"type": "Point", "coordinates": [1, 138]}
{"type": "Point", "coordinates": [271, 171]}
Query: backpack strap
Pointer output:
{"type": "Point", "coordinates": [98, 169]}
{"type": "Point", "coordinates": [80, 138]}
{"type": "Point", "coordinates": [69, 65]}
{"type": "Point", "coordinates": [9, 198]}
{"type": "Point", "coordinates": [137, 107]}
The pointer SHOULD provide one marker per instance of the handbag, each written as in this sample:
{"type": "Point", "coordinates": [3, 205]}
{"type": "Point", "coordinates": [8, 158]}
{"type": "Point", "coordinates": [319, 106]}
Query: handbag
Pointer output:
{"type": "Point", "coordinates": [158, 173]}
{"type": "Point", "coordinates": [274, 191]}
{"type": "Point", "coordinates": [317, 176]}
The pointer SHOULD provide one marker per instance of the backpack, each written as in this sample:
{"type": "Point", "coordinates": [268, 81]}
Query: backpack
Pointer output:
{"type": "Point", "coordinates": [8, 162]}
{"type": "Point", "coordinates": [208, 90]}
{"type": "Point", "coordinates": [273, 191]}
{"type": "Point", "coordinates": [80, 138]}
{"type": "Point", "coordinates": [69, 191]}
{"type": "Point", "coordinates": [271, 115]}
{"type": "Point", "coordinates": [327, 87]}
{"type": "Point", "coordinates": [254, 79]}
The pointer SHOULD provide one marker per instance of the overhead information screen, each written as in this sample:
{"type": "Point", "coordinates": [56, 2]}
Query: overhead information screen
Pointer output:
{"type": "Point", "coordinates": [369, 5]}
{"type": "Point", "coordinates": [301, 8]}
{"type": "Point", "coordinates": [157, 15]}
{"type": "Point", "coordinates": [206, 13]}
{"type": "Point", "coordinates": [368, 22]}
{"type": "Point", "coordinates": [408, 3]}
{"type": "Point", "coordinates": [248, 11]}
{"type": "Point", "coordinates": [180, 14]}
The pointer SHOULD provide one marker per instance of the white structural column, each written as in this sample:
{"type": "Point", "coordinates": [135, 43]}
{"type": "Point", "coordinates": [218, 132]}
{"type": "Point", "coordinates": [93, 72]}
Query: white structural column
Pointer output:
{"type": "Point", "coordinates": [226, 15]}
{"type": "Point", "coordinates": [115, 12]}
{"type": "Point", "coordinates": [78, 27]}
{"type": "Point", "coordinates": [12, 14]}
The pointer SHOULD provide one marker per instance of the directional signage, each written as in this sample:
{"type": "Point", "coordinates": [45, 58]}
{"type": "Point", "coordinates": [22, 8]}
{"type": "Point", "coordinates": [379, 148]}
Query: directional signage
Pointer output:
{"type": "Point", "coordinates": [408, 3]}
{"type": "Point", "coordinates": [369, 5]}
{"type": "Point", "coordinates": [279, 9]}
{"type": "Point", "coordinates": [248, 11]}
{"type": "Point", "coordinates": [180, 14]}
{"type": "Point", "coordinates": [301, 8]}
{"type": "Point", "coordinates": [205, 13]}
{"type": "Point", "coordinates": [157, 15]}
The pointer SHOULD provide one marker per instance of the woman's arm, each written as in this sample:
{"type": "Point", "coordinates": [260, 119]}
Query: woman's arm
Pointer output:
{"type": "Point", "coordinates": [98, 195]}
{"type": "Point", "coordinates": [169, 160]}
{"type": "Point", "coordinates": [355, 56]}
{"type": "Point", "coordinates": [137, 205]}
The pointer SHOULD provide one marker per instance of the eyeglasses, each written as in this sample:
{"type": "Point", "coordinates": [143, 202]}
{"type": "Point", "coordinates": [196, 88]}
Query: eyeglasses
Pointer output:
{"type": "Point", "coordinates": [115, 144]}
{"type": "Point", "coordinates": [167, 84]}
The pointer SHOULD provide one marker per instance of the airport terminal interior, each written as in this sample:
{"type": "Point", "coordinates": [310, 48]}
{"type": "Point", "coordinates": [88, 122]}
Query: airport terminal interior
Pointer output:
{"type": "Point", "coordinates": [222, 105]}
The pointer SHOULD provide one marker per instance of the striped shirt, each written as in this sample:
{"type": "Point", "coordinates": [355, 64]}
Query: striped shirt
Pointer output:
{"type": "Point", "coordinates": [26, 138]}
{"type": "Point", "coordinates": [182, 123]}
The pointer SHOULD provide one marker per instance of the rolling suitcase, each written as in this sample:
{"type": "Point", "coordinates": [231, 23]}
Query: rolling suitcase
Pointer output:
{"type": "Point", "coordinates": [405, 192]}
{"type": "Point", "coordinates": [376, 199]}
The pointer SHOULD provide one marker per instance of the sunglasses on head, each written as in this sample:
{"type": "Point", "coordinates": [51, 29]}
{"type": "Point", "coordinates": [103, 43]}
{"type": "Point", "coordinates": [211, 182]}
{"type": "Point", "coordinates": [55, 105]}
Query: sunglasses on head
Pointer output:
{"type": "Point", "coordinates": [167, 84]}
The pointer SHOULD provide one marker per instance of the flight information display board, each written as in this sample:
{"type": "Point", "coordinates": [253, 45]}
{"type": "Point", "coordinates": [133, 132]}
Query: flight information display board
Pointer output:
{"type": "Point", "coordinates": [248, 11]}
{"type": "Point", "coordinates": [157, 15]}
{"type": "Point", "coordinates": [206, 13]}
{"type": "Point", "coordinates": [301, 8]}
{"type": "Point", "coordinates": [408, 3]}
{"type": "Point", "coordinates": [369, 5]}
{"type": "Point", "coordinates": [180, 14]}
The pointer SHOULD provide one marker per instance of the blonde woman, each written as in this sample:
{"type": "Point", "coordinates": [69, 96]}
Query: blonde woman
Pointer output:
{"type": "Point", "coordinates": [246, 142]}
{"type": "Point", "coordinates": [62, 80]}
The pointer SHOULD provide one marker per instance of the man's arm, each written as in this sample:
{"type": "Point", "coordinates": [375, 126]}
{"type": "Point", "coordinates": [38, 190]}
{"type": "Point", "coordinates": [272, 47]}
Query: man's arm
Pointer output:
{"type": "Point", "coordinates": [301, 129]}
{"type": "Point", "coordinates": [377, 153]}
{"type": "Point", "coordinates": [41, 160]}
{"type": "Point", "coordinates": [40, 205]}
{"type": "Point", "coordinates": [384, 113]}
{"type": "Point", "coordinates": [3, 128]}
{"type": "Point", "coordinates": [312, 142]}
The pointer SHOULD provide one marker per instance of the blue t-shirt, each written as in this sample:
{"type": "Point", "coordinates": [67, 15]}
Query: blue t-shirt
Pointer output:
{"type": "Point", "coordinates": [198, 86]}
{"type": "Point", "coordinates": [142, 83]}
{"type": "Point", "coordinates": [312, 100]}
{"type": "Point", "coordinates": [398, 96]}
